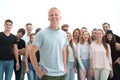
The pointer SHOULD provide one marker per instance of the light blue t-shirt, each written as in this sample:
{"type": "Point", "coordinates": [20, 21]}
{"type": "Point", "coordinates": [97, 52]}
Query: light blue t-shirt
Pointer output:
{"type": "Point", "coordinates": [71, 55]}
{"type": "Point", "coordinates": [51, 42]}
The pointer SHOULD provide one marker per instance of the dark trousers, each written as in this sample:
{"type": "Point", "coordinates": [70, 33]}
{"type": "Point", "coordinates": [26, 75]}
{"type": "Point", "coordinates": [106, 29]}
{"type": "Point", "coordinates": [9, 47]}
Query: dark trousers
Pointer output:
{"type": "Point", "coordinates": [17, 73]}
{"type": "Point", "coordinates": [116, 72]}
{"type": "Point", "coordinates": [46, 77]}
{"type": "Point", "coordinates": [78, 70]}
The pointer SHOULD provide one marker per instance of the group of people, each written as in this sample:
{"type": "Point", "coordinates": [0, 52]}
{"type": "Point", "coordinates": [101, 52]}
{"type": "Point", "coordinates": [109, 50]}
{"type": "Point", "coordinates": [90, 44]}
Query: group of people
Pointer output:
{"type": "Point", "coordinates": [94, 57]}
{"type": "Point", "coordinates": [56, 54]}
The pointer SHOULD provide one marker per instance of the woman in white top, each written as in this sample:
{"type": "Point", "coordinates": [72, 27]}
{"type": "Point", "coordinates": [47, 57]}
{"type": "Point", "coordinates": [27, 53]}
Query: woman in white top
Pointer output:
{"type": "Point", "coordinates": [83, 55]}
{"type": "Point", "coordinates": [70, 58]}
{"type": "Point", "coordinates": [76, 38]}
{"type": "Point", "coordinates": [100, 57]}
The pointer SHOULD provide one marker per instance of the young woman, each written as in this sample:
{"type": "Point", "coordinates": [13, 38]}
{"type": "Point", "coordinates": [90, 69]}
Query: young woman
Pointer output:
{"type": "Point", "coordinates": [70, 58]}
{"type": "Point", "coordinates": [100, 57]}
{"type": "Point", "coordinates": [110, 39]}
{"type": "Point", "coordinates": [76, 38]}
{"type": "Point", "coordinates": [83, 55]}
{"type": "Point", "coordinates": [29, 68]}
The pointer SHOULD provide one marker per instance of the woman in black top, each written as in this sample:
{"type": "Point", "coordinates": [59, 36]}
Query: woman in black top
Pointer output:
{"type": "Point", "coordinates": [29, 68]}
{"type": "Point", "coordinates": [111, 40]}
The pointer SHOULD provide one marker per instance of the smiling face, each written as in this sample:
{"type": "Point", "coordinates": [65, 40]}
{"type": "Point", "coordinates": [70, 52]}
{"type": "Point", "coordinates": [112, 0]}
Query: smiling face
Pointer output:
{"type": "Point", "coordinates": [76, 34]}
{"type": "Point", "coordinates": [109, 37]}
{"type": "Point", "coordinates": [29, 28]}
{"type": "Point", "coordinates": [85, 36]}
{"type": "Point", "coordinates": [99, 34]}
{"type": "Point", "coordinates": [106, 27]}
{"type": "Point", "coordinates": [54, 16]}
{"type": "Point", "coordinates": [93, 35]}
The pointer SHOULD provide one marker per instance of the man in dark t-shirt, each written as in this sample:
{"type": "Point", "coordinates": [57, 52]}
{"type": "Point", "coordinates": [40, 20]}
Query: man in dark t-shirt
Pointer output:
{"type": "Point", "coordinates": [8, 49]}
{"type": "Point", "coordinates": [21, 51]}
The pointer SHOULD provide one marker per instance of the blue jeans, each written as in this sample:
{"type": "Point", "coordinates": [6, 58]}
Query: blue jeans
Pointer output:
{"type": "Point", "coordinates": [7, 67]}
{"type": "Point", "coordinates": [87, 66]}
{"type": "Point", "coordinates": [71, 72]}
{"type": "Point", "coordinates": [32, 74]}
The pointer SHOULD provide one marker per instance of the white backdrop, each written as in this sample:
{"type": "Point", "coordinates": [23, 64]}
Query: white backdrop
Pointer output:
{"type": "Point", "coordinates": [76, 13]}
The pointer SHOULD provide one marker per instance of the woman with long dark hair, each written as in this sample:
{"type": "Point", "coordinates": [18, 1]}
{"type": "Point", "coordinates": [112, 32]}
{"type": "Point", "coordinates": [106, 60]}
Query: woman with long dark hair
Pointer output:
{"type": "Point", "coordinates": [110, 39]}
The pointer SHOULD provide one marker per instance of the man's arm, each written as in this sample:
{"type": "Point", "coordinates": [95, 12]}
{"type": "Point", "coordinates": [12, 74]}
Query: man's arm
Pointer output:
{"type": "Point", "coordinates": [26, 58]}
{"type": "Point", "coordinates": [65, 58]}
{"type": "Point", "coordinates": [16, 56]}
{"type": "Point", "coordinates": [34, 61]}
{"type": "Point", "coordinates": [117, 38]}
{"type": "Point", "coordinates": [21, 51]}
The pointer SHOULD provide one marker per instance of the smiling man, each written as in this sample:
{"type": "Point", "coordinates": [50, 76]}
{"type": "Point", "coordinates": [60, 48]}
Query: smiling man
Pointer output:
{"type": "Point", "coordinates": [51, 42]}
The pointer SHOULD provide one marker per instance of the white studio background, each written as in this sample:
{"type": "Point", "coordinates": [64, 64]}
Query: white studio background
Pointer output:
{"type": "Point", "coordinates": [76, 13]}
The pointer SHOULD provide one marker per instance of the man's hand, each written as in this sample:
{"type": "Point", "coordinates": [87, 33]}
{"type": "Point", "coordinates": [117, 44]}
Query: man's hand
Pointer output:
{"type": "Point", "coordinates": [17, 66]}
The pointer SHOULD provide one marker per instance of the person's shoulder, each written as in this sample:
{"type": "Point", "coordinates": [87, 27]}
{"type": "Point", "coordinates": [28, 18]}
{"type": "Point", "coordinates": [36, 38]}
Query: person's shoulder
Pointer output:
{"type": "Point", "coordinates": [108, 45]}
{"type": "Point", "coordinates": [62, 32]}
{"type": "Point", "coordinates": [22, 40]}
{"type": "Point", "coordinates": [1, 33]}
{"type": "Point", "coordinates": [117, 38]}
{"type": "Point", "coordinates": [93, 43]}
{"type": "Point", "coordinates": [12, 35]}
{"type": "Point", "coordinates": [43, 30]}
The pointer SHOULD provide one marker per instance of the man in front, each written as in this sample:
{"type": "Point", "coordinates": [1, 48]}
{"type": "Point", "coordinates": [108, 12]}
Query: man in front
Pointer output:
{"type": "Point", "coordinates": [52, 44]}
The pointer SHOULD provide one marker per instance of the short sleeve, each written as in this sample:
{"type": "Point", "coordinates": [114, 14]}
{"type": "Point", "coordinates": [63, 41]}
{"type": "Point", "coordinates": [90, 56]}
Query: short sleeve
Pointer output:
{"type": "Point", "coordinates": [37, 40]}
{"type": "Point", "coordinates": [15, 39]}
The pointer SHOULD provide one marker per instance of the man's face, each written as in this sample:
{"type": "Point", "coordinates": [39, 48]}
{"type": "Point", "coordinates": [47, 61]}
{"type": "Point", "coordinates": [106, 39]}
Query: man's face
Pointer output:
{"type": "Point", "coordinates": [94, 34]}
{"type": "Point", "coordinates": [8, 26]}
{"type": "Point", "coordinates": [106, 27]}
{"type": "Point", "coordinates": [19, 35]}
{"type": "Point", "coordinates": [54, 16]}
{"type": "Point", "coordinates": [29, 28]}
{"type": "Point", "coordinates": [65, 29]}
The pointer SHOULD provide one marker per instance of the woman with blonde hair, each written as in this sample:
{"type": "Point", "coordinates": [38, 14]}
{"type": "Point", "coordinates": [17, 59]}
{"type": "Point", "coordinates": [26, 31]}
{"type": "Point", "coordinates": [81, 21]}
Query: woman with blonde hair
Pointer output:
{"type": "Point", "coordinates": [83, 55]}
{"type": "Point", "coordinates": [100, 57]}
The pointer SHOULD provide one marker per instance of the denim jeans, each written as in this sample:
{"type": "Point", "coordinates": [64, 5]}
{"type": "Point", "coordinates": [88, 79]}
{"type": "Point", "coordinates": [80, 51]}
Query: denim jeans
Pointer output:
{"type": "Point", "coordinates": [22, 70]}
{"type": "Point", "coordinates": [86, 65]}
{"type": "Point", "coordinates": [71, 72]}
{"type": "Point", "coordinates": [7, 67]}
{"type": "Point", "coordinates": [32, 74]}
